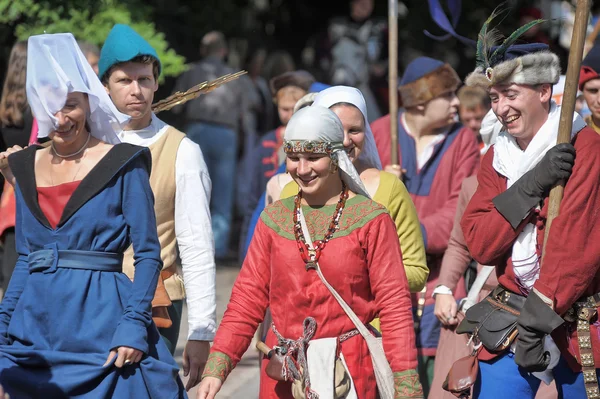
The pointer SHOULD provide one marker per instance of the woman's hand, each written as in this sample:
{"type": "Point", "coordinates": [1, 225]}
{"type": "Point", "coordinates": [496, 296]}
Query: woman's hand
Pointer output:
{"type": "Point", "coordinates": [5, 170]}
{"type": "Point", "coordinates": [208, 388]}
{"type": "Point", "coordinates": [395, 170]}
{"type": "Point", "coordinates": [125, 356]}
{"type": "Point", "coordinates": [445, 309]}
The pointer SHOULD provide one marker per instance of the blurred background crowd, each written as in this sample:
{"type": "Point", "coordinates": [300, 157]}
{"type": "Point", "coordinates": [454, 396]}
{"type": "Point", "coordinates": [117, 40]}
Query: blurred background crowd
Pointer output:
{"type": "Point", "coordinates": [335, 42]}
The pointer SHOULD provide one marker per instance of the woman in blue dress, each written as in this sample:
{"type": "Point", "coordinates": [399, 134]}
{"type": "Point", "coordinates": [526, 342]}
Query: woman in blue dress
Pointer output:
{"type": "Point", "coordinates": [71, 324]}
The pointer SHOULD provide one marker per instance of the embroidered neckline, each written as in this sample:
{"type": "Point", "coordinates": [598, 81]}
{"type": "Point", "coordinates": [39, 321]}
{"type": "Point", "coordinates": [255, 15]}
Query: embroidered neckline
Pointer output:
{"type": "Point", "coordinates": [311, 255]}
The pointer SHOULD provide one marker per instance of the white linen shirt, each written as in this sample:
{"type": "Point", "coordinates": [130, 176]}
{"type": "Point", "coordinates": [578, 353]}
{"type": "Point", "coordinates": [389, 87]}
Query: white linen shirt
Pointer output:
{"type": "Point", "coordinates": [192, 228]}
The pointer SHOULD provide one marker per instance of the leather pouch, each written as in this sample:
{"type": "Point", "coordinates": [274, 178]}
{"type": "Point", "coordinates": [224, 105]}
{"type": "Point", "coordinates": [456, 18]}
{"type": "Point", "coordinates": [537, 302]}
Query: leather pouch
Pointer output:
{"type": "Point", "coordinates": [493, 321]}
{"type": "Point", "coordinates": [274, 368]}
{"type": "Point", "coordinates": [161, 302]}
{"type": "Point", "coordinates": [462, 376]}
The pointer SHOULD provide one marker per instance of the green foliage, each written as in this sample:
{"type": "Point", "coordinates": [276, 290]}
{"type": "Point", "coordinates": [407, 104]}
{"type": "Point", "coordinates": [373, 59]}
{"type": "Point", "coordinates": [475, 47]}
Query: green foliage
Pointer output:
{"type": "Point", "coordinates": [90, 21]}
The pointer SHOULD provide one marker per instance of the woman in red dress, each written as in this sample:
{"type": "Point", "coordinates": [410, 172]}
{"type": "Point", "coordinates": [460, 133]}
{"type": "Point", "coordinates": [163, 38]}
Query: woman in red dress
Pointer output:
{"type": "Point", "coordinates": [358, 253]}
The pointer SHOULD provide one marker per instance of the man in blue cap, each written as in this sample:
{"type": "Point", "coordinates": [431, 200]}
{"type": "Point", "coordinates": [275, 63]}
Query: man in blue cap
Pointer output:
{"type": "Point", "coordinates": [129, 69]}
{"type": "Point", "coordinates": [550, 306]}
{"type": "Point", "coordinates": [436, 153]}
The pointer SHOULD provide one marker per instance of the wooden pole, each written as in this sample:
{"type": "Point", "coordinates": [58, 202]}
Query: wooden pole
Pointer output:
{"type": "Point", "coordinates": [263, 348]}
{"type": "Point", "coordinates": [393, 76]}
{"type": "Point", "coordinates": [568, 102]}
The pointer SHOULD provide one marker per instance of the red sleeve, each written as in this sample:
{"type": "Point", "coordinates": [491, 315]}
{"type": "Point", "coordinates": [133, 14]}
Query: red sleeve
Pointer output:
{"type": "Point", "coordinates": [392, 297]}
{"type": "Point", "coordinates": [572, 253]}
{"type": "Point", "coordinates": [383, 141]}
{"type": "Point", "coordinates": [438, 224]}
{"type": "Point", "coordinates": [487, 233]}
{"type": "Point", "coordinates": [249, 298]}
{"type": "Point", "coordinates": [457, 257]}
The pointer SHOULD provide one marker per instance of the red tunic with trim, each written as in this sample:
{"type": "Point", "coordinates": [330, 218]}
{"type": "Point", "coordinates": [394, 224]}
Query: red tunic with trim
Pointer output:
{"type": "Point", "coordinates": [434, 189]}
{"type": "Point", "coordinates": [362, 262]}
{"type": "Point", "coordinates": [572, 254]}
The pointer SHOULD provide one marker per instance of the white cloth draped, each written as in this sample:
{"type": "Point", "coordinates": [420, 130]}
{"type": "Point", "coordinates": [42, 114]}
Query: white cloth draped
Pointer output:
{"type": "Point", "coordinates": [351, 95]}
{"type": "Point", "coordinates": [490, 129]}
{"type": "Point", "coordinates": [56, 67]}
{"type": "Point", "coordinates": [320, 124]}
{"type": "Point", "coordinates": [512, 162]}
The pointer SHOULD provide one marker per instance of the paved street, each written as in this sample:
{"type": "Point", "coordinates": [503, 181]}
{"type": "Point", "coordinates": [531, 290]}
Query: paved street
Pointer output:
{"type": "Point", "coordinates": [243, 381]}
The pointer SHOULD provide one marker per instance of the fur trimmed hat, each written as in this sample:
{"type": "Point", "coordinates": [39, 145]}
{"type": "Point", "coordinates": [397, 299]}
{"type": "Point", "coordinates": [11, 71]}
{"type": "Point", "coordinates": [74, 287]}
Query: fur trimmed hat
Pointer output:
{"type": "Point", "coordinates": [425, 79]}
{"type": "Point", "coordinates": [528, 64]}
{"type": "Point", "coordinates": [301, 79]}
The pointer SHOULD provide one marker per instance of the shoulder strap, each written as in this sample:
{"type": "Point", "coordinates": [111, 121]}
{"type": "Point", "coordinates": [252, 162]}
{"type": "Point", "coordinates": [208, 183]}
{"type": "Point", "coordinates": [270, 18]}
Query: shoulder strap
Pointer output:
{"type": "Point", "coordinates": [473, 294]}
{"type": "Point", "coordinates": [359, 325]}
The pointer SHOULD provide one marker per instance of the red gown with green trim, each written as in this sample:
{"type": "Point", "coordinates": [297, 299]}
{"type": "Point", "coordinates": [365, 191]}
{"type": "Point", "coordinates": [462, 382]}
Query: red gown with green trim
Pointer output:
{"type": "Point", "coordinates": [362, 261]}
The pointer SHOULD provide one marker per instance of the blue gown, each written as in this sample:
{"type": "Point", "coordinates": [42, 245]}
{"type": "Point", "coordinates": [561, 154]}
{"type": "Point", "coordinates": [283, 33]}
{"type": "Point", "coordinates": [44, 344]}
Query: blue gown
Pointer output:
{"type": "Point", "coordinates": [68, 304]}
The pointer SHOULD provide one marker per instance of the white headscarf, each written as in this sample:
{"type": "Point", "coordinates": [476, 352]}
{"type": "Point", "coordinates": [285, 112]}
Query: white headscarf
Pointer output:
{"type": "Point", "coordinates": [56, 67]}
{"type": "Point", "coordinates": [351, 95]}
{"type": "Point", "coordinates": [320, 125]}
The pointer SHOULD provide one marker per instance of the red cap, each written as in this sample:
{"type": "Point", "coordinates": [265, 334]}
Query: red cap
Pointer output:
{"type": "Point", "coordinates": [586, 74]}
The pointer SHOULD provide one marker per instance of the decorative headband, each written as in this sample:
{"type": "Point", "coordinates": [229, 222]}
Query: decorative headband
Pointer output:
{"type": "Point", "coordinates": [310, 146]}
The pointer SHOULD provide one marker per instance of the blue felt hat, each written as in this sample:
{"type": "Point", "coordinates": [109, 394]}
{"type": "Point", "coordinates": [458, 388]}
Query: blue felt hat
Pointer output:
{"type": "Point", "coordinates": [518, 50]}
{"type": "Point", "coordinates": [425, 79]}
{"type": "Point", "coordinates": [418, 68]}
{"type": "Point", "coordinates": [122, 45]}
{"type": "Point", "coordinates": [317, 87]}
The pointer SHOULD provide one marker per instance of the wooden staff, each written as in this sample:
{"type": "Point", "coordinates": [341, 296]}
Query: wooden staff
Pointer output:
{"type": "Point", "coordinates": [568, 102]}
{"type": "Point", "coordinates": [393, 76]}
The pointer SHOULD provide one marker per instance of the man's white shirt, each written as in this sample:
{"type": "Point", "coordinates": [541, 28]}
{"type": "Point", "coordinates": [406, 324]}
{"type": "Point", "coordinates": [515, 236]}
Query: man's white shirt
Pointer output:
{"type": "Point", "coordinates": [193, 228]}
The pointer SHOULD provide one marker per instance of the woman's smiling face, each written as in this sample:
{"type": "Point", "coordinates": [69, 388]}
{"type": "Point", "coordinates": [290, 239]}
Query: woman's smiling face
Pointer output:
{"type": "Point", "coordinates": [354, 128]}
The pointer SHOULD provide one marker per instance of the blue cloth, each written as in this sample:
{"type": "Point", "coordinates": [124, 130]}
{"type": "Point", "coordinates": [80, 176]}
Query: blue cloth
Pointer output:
{"type": "Point", "coordinates": [123, 44]}
{"type": "Point", "coordinates": [219, 147]}
{"type": "Point", "coordinates": [317, 87]}
{"type": "Point", "coordinates": [429, 328]}
{"type": "Point", "coordinates": [256, 215]}
{"type": "Point", "coordinates": [501, 378]}
{"type": "Point", "coordinates": [592, 59]}
{"type": "Point", "coordinates": [418, 68]}
{"type": "Point", "coordinates": [256, 172]}
{"type": "Point", "coordinates": [58, 322]}
{"type": "Point", "coordinates": [518, 50]}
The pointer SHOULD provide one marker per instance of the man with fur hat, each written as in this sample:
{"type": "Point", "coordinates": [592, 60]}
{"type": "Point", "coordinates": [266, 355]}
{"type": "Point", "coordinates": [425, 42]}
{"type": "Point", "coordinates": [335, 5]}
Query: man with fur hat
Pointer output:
{"type": "Point", "coordinates": [436, 154]}
{"type": "Point", "coordinates": [589, 84]}
{"type": "Point", "coordinates": [554, 304]}
{"type": "Point", "coordinates": [129, 68]}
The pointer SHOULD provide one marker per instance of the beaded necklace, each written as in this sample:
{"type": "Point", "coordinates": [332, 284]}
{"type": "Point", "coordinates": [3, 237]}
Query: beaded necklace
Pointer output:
{"type": "Point", "coordinates": [311, 255]}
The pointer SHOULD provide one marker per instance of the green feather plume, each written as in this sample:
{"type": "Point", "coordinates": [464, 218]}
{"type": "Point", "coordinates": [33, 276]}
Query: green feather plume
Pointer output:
{"type": "Point", "coordinates": [486, 40]}
{"type": "Point", "coordinates": [499, 52]}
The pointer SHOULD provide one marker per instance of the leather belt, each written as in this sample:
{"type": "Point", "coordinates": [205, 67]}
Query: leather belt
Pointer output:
{"type": "Point", "coordinates": [582, 312]}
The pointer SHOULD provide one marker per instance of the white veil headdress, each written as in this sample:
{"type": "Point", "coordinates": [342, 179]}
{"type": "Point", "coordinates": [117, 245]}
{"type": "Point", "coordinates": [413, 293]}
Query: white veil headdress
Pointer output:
{"type": "Point", "coordinates": [318, 128]}
{"type": "Point", "coordinates": [57, 67]}
{"type": "Point", "coordinates": [351, 95]}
